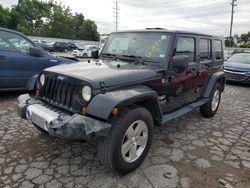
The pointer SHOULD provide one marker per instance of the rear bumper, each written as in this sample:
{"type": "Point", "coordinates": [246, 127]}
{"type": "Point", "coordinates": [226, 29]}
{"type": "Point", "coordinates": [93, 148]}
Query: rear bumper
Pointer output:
{"type": "Point", "coordinates": [58, 123]}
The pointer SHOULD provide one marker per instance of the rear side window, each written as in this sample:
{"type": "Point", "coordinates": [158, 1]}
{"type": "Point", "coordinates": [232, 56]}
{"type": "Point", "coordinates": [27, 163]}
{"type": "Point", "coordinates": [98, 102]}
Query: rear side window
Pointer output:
{"type": "Point", "coordinates": [64, 44]}
{"type": "Point", "coordinates": [205, 49]}
{"type": "Point", "coordinates": [14, 42]}
{"type": "Point", "coordinates": [4, 46]}
{"type": "Point", "coordinates": [217, 49]}
{"type": "Point", "coordinates": [186, 46]}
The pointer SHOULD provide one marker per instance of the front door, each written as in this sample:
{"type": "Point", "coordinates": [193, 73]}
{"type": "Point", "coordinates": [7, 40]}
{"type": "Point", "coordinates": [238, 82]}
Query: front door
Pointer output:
{"type": "Point", "coordinates": [183, 86]}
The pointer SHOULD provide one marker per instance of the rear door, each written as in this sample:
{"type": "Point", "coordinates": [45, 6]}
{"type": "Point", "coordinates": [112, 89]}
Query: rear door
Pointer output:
{"type": "Point", "coordinates": [16, 65]}
{"type": "Point", "coordinates": [205, 59]}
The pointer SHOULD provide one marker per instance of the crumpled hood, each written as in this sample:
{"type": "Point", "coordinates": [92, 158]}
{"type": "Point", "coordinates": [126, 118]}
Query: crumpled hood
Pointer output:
{"type": "Point", "coordinates": [106, 71]}
{"type": "Point", "coordinates": [240, 67]}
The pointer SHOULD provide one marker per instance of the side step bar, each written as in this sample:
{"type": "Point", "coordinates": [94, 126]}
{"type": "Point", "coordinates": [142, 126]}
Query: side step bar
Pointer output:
{"type": "Point", "coordinates": [169, 117]}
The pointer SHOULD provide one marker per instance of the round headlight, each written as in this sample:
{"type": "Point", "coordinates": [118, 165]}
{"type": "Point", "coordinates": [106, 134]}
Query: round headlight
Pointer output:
{"type": "Point", "coordinates": [42, 79]}
{"type": "Point", "coordinates": [86, 93]}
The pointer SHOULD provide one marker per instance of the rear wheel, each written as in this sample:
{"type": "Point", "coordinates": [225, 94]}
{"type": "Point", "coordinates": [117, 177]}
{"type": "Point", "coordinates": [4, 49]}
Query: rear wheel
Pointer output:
{"type": "Point", "coordinates": [128, 142]}
{"type": "Point", "coordinates": [84, 55]}
{"type": "Point", "coordinates": [210, 108]}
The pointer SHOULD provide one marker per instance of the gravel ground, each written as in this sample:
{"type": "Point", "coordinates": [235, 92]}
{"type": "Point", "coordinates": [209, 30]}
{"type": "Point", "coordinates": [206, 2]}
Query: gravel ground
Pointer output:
{"type": "Point", "coordinates": [190, 152]}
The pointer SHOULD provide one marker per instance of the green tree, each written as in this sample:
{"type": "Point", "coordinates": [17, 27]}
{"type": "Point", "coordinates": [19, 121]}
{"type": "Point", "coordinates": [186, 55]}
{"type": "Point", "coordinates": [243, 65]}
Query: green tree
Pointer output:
{"type": "Point", "coordinates": [244, 40]}
{"type": "Point", "coordinates": [4, 17]}
{"type": "Point", "coordinates": [78, 23]}
{"type": "Point", "coordinates": [47, 18]}
{"type": "Point", "coordinates": [90, 31]}
{"type": "Point", "coordinates": [229, 41]}
{"type": "Point", "coordinates": [61, 23]}
{"type": "Point", "coordinates": [32, 16]}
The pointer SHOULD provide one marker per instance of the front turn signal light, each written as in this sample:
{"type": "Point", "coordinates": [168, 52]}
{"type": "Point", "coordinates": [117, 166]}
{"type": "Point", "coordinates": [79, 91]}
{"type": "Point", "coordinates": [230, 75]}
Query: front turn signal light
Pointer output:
{"type": "Point", "coordinates": [37, 93]}
{"type": "Point", "coordinates": [115, 111]}
{"type": "Point", "coordinates": [84, 110]}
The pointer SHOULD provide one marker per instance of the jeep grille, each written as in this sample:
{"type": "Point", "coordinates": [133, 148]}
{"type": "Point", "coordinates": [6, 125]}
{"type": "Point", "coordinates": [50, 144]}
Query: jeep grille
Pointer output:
{"type": "Point", "coordinates": [59, 92]}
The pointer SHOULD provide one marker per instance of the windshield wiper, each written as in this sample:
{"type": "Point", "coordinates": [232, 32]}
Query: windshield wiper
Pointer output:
{"type": "Point", "coordinates": [113, 56]}
{"type": "Point", "coordinates": [152, 61]}
{"type": "Point", "coordinates": [137, 59]}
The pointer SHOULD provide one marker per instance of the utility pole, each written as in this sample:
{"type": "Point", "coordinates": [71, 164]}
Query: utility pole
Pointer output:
{"type": "Point", "coordinates": [233, 3]}
{"type": "Point", "coordinates": [116, 13]}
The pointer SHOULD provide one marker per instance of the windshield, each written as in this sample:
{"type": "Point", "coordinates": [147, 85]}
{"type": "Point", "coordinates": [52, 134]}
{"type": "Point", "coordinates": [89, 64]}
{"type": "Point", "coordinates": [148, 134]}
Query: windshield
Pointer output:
{"type": "Point", "coordinates": [240, 58]}
{"type": "Point", "coordinates": [151, 46]}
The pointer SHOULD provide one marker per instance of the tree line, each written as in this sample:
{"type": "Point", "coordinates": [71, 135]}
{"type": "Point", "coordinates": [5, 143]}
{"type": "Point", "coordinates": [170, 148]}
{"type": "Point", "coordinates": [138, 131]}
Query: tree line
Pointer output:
{"type": "Point", "coordinates": [241, 41]}
{"type": "Point", "coordinates": [47, 19]}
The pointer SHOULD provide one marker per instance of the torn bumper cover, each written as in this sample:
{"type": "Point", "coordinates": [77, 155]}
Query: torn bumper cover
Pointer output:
{"type": "Point", "coordinates": [58, 123]}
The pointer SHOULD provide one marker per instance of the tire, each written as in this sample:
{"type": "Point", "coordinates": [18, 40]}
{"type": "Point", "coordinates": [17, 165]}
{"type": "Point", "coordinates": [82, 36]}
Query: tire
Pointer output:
{"type": "Point", "coordinates": [110, 149]}
{"type": "Point", "coordinates": [84, 55]}
{"type": "Point", "coordinates": [209, 109]}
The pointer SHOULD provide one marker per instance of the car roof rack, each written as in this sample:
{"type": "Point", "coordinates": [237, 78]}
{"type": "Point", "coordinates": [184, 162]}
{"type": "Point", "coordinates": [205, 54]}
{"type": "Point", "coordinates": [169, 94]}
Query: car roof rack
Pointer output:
{"type": "Point", "coordinates": [156, 28]}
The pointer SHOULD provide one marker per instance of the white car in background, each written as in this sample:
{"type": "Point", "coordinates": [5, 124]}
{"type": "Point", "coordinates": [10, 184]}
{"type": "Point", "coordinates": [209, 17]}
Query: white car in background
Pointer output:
{"type": "Point", "coordinates": [85, 51]}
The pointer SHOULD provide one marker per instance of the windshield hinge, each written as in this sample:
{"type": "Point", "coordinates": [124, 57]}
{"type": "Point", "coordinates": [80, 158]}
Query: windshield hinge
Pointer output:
{"type": "Point", "coordinates": [103, 87]}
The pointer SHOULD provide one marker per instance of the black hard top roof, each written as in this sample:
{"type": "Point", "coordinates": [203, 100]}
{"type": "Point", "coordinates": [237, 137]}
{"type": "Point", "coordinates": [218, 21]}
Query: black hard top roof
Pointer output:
{"type": "Point", "coordinates": [160, 30]}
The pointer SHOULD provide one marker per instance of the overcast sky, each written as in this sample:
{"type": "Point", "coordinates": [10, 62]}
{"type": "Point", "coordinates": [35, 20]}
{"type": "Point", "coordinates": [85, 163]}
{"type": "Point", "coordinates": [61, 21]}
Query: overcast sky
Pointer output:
{"type": "Point", "coordinates": [211, 16]}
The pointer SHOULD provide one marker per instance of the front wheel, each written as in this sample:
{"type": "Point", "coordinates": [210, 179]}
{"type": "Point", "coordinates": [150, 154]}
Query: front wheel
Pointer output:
{"type": "Point", "coordinates": [128, 141]}
{"type": "Point", "coordinates": [210, 108]}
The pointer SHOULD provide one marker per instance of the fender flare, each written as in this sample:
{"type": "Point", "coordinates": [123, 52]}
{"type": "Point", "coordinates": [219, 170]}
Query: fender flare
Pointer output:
{"type": "Point", "coordinates": [102, 104]}
{"type": "Point", "coordinates": [31, 84]}
{"type": "Point", "coordinates": [213, 79]}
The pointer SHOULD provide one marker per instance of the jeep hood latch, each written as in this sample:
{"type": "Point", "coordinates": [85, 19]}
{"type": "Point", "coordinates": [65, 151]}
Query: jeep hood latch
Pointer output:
{"type": "Point", "coordinates": [103, 87]}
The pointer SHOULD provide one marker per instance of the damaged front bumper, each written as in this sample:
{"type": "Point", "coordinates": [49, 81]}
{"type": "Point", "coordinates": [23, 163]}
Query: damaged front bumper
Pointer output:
{"type": "Point", "coordinates": [58, 123]}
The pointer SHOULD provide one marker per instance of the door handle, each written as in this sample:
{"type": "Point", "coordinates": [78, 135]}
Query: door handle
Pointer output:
{"type": "Point", "coordinates": [2, 57]}
{"type": "Point", "coordinates": [193, 70]}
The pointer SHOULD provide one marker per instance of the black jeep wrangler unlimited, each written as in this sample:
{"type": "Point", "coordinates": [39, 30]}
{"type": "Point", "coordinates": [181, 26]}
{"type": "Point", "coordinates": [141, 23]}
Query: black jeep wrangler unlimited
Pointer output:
{"type": "Point", "coordinates": [140, 80]}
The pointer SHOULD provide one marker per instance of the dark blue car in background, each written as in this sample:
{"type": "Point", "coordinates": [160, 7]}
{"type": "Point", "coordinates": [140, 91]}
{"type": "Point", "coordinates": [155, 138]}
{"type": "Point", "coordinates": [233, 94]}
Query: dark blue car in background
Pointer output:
{"type": "Point", "coordinates": [237, 68]}
{"type": "Point", "coordinates": [21, 59]}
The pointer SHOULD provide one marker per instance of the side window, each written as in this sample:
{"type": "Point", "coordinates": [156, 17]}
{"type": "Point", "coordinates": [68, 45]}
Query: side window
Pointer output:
{"type": "Point", "coordinates": [218, 49]}
{"type": "Point", "coordinates": [4, 42]}
{"type": "Point", "coordinates": [21, 44]}
{"type": "Point", "coordinates": [186, 46]}
{"type": "Point", "coordinates": [205, 49]}
{"type": "Point", "coordinates": [13, 42]}
{"type": "Point", "coordinates": [4, 45]}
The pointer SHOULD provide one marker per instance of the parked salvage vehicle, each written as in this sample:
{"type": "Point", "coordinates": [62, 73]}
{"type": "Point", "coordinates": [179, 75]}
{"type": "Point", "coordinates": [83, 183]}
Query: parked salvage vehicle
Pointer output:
{"type": "Point", "coordinates": [72, 46]}
{"type": "Point", "coordinates": [140, 80]}
{"type": "Point", "coordinates": [61, 47]}
{"type": "Point", "coordinates": [237, 68]}
{"type": "Point", "coordinates": [21, 59]}
{"type": "Point", "coordinates": [44, 45]}
{"type": "Point", "coordinates": [86, 51]}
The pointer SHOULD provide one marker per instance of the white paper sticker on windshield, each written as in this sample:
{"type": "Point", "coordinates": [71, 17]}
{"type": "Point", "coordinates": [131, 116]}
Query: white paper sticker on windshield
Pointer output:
{"type": "Point", "coordinates": [161, 55]}
{"type": "Point", "coordinates": [163, 37]}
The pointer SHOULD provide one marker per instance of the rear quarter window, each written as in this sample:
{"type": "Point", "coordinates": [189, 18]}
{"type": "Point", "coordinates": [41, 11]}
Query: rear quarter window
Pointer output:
{"type": "Point", "coordinates": [217, 47]}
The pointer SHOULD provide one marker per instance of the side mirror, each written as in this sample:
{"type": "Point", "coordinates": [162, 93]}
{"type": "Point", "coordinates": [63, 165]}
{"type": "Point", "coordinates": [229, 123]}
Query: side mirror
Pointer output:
{"type": "Point", "coordinates": [35, 51]}
{"type": "Point", "coordinates": [180, 61]}
{"type": "Point", "coordinates": [95, 54]}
